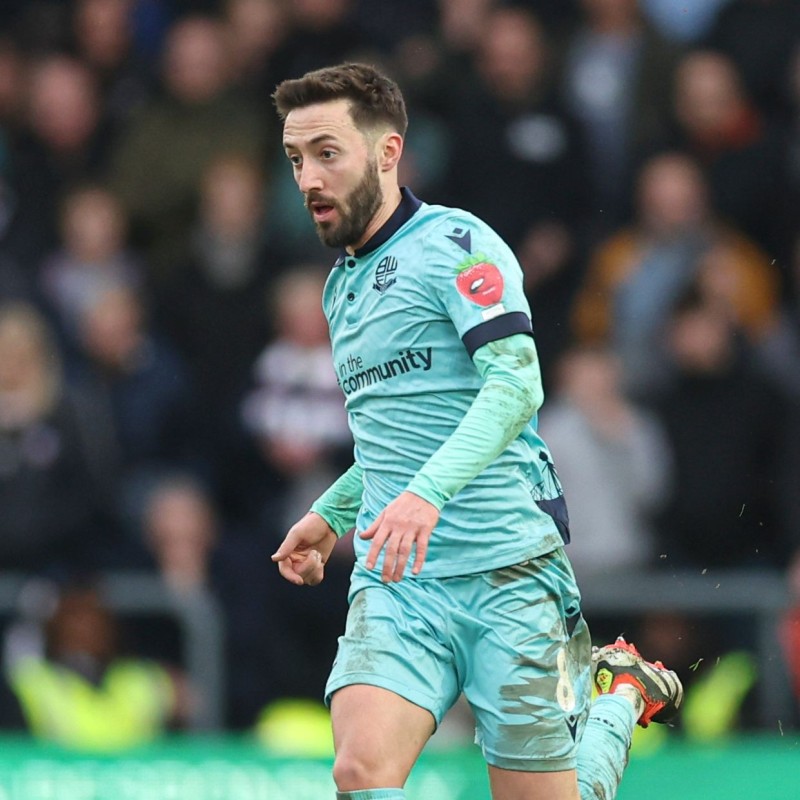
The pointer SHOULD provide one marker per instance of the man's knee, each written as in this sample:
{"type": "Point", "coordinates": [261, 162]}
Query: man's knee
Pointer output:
{"type": "Point", "coordinates": [353, 771]}
{"type": "Point", "coordinates": [522, 785]}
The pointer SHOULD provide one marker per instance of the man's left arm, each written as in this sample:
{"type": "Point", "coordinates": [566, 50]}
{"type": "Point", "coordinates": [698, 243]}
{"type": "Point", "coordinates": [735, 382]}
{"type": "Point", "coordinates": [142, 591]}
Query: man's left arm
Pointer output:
{"type": "Point", "coordinates": [510, 396]}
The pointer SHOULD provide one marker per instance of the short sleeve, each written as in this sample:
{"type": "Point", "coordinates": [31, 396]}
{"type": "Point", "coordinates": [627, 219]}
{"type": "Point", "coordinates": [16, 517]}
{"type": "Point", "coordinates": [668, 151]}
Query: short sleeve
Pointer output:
{"type": "Point", "coordinates": [478, 280]}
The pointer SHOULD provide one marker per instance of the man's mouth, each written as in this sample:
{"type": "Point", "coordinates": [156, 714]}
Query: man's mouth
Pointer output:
{"type": "Point", "coordinates": [321, 210]}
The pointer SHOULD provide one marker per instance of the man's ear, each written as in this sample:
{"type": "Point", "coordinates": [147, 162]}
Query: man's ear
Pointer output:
{"type": "Point", "coordinates": [390, 148]}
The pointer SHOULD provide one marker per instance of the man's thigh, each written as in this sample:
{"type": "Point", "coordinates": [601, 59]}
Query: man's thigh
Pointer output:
{"type": "Point", "coordinates": [395, 639]}
{"type": "Point", "coordinates": [524, 651]}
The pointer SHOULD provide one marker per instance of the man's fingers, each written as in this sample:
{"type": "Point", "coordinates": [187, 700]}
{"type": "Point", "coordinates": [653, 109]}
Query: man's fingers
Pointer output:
{"type": "Point", "coordinates": [397, 549]}
{"type": "Point", "coordinates": [422, 552]}
{"type": "Point", "coordinates": [284, 551]}
{"type": "Point", "coordinates": [378, 539]}
{"type": "Point", "coordinates": [302, 554]}
{"type": "Point", "coordinates": [309, 565]}
{"type": "Point", "coordinates": [396, 553]}
{"type": "Point", "coordinates": [310, 557]}
{"type": "Point", "coordinates": [306, 570]}
{"type": "Point", "coordinates": [405, 521]}
{"type": "Point", "coordinates": [372, 529]}
{"type": "Point", "coordinates": [389, 559]}
{"type": "Point", "coordinates": [315, 578]}
{"type": "Point", "coordinates": [406, 549]}
{"type": "Point", "coordinates": [286, 569]}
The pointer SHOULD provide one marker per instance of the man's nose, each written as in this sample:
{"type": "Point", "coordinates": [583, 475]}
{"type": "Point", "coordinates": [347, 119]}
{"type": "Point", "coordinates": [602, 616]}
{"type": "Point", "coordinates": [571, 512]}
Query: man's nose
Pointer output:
{"type": "Point", "coordinates": [309, 179]}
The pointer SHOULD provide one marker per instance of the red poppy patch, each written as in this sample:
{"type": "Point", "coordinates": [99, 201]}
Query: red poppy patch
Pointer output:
{"type": "Point", "coordinates": [480, 281]}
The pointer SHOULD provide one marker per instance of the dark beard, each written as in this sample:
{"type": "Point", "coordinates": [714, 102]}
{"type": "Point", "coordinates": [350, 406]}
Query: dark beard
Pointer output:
{"type": "Point", "coordinates": [356, 212]}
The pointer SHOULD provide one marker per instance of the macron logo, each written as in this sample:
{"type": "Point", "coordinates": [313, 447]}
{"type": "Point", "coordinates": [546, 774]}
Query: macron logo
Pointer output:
{"type": "Point", "coordinates": [352, 375]}
{"type": "Point", "coordinates": [461, 237]}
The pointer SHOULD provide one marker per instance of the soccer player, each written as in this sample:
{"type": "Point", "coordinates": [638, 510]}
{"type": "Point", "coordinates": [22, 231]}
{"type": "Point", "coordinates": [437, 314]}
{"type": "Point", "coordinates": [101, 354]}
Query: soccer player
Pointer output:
{"type": "Point", "coordinates": [461, 582]}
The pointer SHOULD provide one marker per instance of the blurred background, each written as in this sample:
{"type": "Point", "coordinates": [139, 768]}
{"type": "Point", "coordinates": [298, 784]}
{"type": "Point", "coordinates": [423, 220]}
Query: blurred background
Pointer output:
{"type": "Point", "coordinates": [168, 407]}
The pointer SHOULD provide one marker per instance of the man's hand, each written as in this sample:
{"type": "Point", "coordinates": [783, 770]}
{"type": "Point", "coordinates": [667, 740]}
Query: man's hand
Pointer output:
{"type": "Point", "coordinates": [406, 521]}
{"type": "Point", "coordinates": [302, 556]}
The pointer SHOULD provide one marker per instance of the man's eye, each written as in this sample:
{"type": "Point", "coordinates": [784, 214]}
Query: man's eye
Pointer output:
{"type": "Point", "coordinates": [327, 154]}
{"type": "Point", "coordinates": [295, 160]}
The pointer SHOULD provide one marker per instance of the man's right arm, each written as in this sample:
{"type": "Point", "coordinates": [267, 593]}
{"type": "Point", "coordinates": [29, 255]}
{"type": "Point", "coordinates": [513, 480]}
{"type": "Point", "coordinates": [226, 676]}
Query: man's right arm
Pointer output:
{"type": "Point", "coordinates": [339, 505]}
{"type": "Point", "coordinates": [302, 556]}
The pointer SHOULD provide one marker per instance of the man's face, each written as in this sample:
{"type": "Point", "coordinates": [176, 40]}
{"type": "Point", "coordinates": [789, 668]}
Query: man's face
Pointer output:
{"type": "Point", "coordinates": [336, 169]}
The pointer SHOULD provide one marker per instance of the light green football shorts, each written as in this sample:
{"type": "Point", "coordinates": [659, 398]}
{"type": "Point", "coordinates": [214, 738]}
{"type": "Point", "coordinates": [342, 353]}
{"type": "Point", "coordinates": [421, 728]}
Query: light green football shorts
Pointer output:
{"type": "Point", "coordinates": [512, 640]}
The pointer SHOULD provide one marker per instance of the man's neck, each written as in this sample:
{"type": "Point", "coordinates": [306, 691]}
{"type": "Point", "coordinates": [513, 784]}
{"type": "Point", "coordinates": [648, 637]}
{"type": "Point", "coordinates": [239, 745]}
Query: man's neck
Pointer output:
{"type": "Point", "coordinates": [391, 200]}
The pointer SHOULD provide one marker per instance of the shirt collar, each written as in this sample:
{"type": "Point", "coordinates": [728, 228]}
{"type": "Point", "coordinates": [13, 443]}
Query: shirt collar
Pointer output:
{"type": "Point", "coordinates": [409, 205]}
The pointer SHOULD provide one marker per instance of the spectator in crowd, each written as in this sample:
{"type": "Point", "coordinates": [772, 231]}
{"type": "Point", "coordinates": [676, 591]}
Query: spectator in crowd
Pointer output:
{"type": "Point", "coordinates": [726, 426]}
{"type": "Point", "coordinates": [144, 390]}
{"type": "Point", "coordinates": [776, 342]}
{"type": "Point", "coordinates": [259, 28]}
{"type": "Point", "coordinates": [437, 65]}
{"type": "Point", "coordinates": [38, 27]}
{"type": "Point", "coordinates": [323, 32]}
{"type": "Point", "coordinates": [15, 281]}
{"type": "Point", "coordinates": [517, 156]}
{"type": "Point", "coordinates": [91, 257]}
{"type": "Point", "coordinates": [780, 355]}
{"type": "Point", "coordinates": [730, 432]}
{"type": "Point", "coordinates": [294, 411]}
{"type": "Point", "coordinates": [180, 532]}
{"type": "Point", "coordinates": [12, 94]}
{"type": "Point", "coordinates": [617, 75]}
{"type": "Point", "coordinates": [636, 275]}
{"type": "Point", "coordinates": [158, 165]}
{"type": "Point", "coordinates": [51, 456]}
{"type": "Point", "coordinates": [791, 167]}
{"type": "Point", "coordinates": [780, 348]}
{"type": "Point", "coordinates": [214, 308]}
{"type": "Point", "coordinates": [681, 21]}
{"type": "Point", "coordinates": [616, 458]}
{"type": "Point", "coordinates": [386, 25]}
{"type": "Point", "coordinates": [741, 150]}
{"type": "Point", "coordinates": [759, 36]}
{"type": "Point", "coordinates": [436, 62]}
{"type": "Point", "coordinates": [195, 551]}
{"type": "Point", "coordinates": [102, 37]}
{"type": "Point", "coordinates": [82, 692]}
{"type": "Point", "coordinates": [517, 162]}
{"type": "Point", "coordinates": [61, 145]}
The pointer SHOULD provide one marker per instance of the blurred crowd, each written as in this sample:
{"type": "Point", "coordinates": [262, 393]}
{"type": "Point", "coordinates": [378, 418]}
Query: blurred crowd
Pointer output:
{"type": "Point", "coordinates": [167, 401]}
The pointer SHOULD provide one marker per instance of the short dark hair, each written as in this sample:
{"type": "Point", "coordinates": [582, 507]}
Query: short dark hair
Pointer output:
{"type": "Point", "coordinates": [375, 99]}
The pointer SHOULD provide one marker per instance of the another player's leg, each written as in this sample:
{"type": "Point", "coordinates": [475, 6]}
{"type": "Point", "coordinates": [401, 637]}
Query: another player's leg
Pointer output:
{"type": "Point", "coordinates": [632, 691]}
{"type": "Point", "coordinates": [378, 736]}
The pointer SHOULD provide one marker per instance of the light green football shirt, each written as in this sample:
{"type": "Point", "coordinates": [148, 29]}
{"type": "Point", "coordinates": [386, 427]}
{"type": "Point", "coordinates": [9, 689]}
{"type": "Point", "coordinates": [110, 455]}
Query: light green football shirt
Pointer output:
{"type": "Point", "coordinates": [406, 313]}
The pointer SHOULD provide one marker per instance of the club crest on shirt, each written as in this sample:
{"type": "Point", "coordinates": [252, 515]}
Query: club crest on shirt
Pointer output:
{"type": "Point", "coordinates": [480, 281]}
{"type": "Point", "coordinates": [385, 274]}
